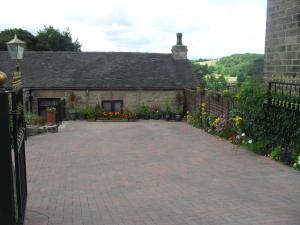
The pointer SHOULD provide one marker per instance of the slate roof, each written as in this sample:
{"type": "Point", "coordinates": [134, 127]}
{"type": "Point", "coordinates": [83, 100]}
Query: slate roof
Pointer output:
{"type": "Point", "coordinates": [101, 70]}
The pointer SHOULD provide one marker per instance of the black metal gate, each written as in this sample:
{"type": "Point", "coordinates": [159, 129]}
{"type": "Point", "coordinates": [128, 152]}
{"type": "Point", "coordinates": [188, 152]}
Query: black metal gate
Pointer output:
{"type": "Point", "coordinates": [13, 188]}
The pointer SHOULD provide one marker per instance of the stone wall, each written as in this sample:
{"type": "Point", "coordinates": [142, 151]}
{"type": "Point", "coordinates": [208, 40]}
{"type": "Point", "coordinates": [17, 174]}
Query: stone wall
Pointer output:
{"type": "Point", "coordinates": [131, 99]}
{"type": "Point", "coordinates": [282, 51]}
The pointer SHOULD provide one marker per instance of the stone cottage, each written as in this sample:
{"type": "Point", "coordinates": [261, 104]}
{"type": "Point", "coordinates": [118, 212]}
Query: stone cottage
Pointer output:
{"type": "Point", "coordinates": [282, 51]}
{"type": "Point", "coordinates": [113, 80]}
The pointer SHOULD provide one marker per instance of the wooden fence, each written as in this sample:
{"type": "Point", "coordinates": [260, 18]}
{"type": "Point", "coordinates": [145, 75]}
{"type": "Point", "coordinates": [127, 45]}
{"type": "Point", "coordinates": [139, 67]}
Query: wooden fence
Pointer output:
{"type": "Point", "coordinates": [216, 105]}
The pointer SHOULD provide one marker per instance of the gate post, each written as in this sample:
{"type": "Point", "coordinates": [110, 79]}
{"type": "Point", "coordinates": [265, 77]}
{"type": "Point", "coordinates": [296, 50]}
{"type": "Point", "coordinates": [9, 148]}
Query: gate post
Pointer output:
{"type": "Point", "coordinates": [7, 187]}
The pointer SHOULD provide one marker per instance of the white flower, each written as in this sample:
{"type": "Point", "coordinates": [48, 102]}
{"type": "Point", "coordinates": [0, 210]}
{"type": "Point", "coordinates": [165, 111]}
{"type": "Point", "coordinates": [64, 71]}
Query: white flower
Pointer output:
{"type": "Point", "coordinates": [250, 142]}
{"type": "Point", "coordinates": [243, 134]}
{"type": "Point", "coordinates": [209, 130]}
{"type": "Point", "coordinates": [295, 164]}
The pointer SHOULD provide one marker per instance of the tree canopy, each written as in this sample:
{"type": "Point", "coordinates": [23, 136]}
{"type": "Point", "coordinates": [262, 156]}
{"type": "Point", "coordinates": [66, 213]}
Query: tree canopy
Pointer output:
{"type": "Point", "coordinates": [241, 66]}
{"type": "Point", "coordinates": [24, 35]}
{"type": "Point", "coordinates": [47, 39]}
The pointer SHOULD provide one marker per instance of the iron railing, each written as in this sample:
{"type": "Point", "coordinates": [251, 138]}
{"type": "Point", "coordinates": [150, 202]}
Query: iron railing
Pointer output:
{"type": "Point", "coordinates": [284, 94]}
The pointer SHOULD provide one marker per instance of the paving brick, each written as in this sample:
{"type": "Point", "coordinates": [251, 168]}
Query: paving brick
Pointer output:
{"type": "Point", "coordinates": [154, 173]}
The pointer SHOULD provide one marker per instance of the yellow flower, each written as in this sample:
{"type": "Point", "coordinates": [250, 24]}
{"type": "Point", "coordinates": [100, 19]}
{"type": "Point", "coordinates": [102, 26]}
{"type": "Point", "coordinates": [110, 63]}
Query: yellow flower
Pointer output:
{"type": "Point", "coordinates": [237, 119]}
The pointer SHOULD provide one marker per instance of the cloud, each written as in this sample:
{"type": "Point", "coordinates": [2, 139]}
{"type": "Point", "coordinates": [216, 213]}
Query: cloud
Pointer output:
{"type": "Point", "coordinates": [212, 28]}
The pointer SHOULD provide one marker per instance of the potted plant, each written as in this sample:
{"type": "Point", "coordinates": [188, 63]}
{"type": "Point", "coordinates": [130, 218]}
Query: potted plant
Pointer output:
{"type": "Point", "coordinates": [99, 112]}
{"type": "Point", "coordinates": [51, 111]}
{"type": "Point", "coordinates": [132, 117]}
{"type": "Point", "coordinates": [73, 114]}
{"type": "Point", "coordinates": [155, 112]}
{"type": "Point", "coordinates": [178, 115]}
{"type": "Point", "coordinates": [144, 112]}
{"type": "Point", "coordinates": [168, 113]}
{"type": "Point", "coordinates": [90, 114]}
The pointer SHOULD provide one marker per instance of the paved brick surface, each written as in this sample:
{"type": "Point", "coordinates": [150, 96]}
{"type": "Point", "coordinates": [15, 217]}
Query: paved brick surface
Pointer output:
{"type": "Point", "coordinates": [154, 173]}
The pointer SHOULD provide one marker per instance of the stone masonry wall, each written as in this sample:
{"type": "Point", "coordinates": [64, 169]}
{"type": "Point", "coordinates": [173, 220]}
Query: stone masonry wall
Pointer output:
{"type": "Point", "coordinates": [282, 50]}
{"type": "Point", "coordinates": [131, 99]}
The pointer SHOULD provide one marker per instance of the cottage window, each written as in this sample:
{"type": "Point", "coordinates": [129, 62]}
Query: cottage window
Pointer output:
{"type": "Point", "coordinates": [112, 106]}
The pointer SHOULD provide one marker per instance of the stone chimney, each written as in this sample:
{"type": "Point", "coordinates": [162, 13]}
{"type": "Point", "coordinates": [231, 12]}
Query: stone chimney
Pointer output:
{"type": "Point", "coordinates": [179, 51]}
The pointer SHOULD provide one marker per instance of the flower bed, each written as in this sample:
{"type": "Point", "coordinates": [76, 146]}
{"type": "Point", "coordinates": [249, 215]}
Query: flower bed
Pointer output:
{"type": "Point", "coordinates": [255, 125]}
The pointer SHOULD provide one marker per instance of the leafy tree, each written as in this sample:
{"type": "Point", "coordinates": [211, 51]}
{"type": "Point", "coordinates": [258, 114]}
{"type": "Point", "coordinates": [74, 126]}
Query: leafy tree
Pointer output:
{"type": "Point", "coordinates": [202, 70]}
{"type": "Point", "coordinates": [216, 83]}
{"type": "Point", "coordinates": [24, 35]}
{"type": "Point", "coordinates": [241, 65]}
{"type": "Point", "coordinates": [51, 39]}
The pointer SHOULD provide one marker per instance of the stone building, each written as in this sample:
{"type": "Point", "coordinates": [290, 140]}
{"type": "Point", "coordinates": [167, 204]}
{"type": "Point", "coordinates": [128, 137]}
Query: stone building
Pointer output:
{"type": "Point", "coordinates": [113, 80]}
{"type": "Point", "coordinates": [282, 50]}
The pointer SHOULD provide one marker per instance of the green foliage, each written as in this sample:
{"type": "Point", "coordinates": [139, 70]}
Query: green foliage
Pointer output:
{"type": "Point", "coordinates": [33, 119]}
{"type": "Point", "coordinates": [200, 60]}
{"type": "Point", "coordinates": [283, 128]}
{"type": "Point", "coordinates": [144, 110]}
{"type": "Point", "coordinates": [215, 83]}
{"type": "Point", "coordinates": [48, 39]}
{"type": "Point", "coordinates": [260, 146]}
{"type": "Point", "coordinates": [90, 113]}
{"type": "Point", "coordinates": [51, 39]}
{"type": "Point", "coordinates": [249, 104]}
{"type": "Point", "coordinates": [275, 154]}
{"type": "Point", "coordinates": [201, 70]}
{"type": "Point", "coordinates": [241, 66]}
{"type": "Point", "coordinates": [24, 35]}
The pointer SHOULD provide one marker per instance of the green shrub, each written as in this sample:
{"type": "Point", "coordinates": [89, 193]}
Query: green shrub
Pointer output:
{"type": "Point", "coordinates": [144, 110]}
{"type": "Point", "coordinates": [33, 119]}
{"type": "Point", "coordinates": [260, 146]}
{"type": "Point", "coordinates": [249, 104]}
{"type": "Point", "coordinates": [275, 154]}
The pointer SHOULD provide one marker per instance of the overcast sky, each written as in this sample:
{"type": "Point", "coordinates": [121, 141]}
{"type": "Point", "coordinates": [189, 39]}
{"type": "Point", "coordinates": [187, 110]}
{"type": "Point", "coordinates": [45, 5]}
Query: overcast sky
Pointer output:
{"type": "Point", "coordinates": [211, 28]}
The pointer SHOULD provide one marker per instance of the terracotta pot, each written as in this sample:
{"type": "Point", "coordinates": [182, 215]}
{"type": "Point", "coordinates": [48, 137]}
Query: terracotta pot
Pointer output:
{"type": "Point", "coordinates": [51, 117]}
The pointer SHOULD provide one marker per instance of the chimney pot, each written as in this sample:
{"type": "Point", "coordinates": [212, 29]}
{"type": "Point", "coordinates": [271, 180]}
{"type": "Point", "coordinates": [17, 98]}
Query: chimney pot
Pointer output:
{"type": "Point", "coordinates": [179, 51]}
{"type": "Point", "coordinates": [179, 39]}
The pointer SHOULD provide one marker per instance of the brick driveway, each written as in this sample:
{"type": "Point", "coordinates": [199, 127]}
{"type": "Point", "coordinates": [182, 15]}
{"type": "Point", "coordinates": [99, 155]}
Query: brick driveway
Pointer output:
{"type": "Point", "coordinates": [154, 173]}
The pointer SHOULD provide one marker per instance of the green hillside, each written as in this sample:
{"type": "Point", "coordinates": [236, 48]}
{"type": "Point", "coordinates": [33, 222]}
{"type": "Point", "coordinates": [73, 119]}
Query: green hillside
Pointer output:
{"type": "Point", "coordinates": [241, 65]}
{"type": "Point", "coordinates": [235, 67]}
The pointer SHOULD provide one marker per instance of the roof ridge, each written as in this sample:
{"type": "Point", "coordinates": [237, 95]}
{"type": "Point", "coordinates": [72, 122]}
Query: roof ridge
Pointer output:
{"type": "Point", "coordinates": [93, 52]}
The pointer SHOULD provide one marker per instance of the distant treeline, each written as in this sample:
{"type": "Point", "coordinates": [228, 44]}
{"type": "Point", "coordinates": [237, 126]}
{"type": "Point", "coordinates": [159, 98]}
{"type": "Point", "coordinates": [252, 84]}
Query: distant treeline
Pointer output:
{"type": "Point", "coordinates": [241, 66]}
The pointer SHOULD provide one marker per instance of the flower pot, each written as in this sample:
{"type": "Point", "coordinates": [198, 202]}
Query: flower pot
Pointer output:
{"type": "Point", "coordinates": [146, 117]}
{"type": "Point", "coordinates": [178, 117]}
{"type": "Point", "coordinates": [168, 116]}
{"type": "Point", "coordinates": [73, 115]}
{"type": "Point", "coordinates": [51, 117]}
{"type": "Point", "coordinates": [156, 117]}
